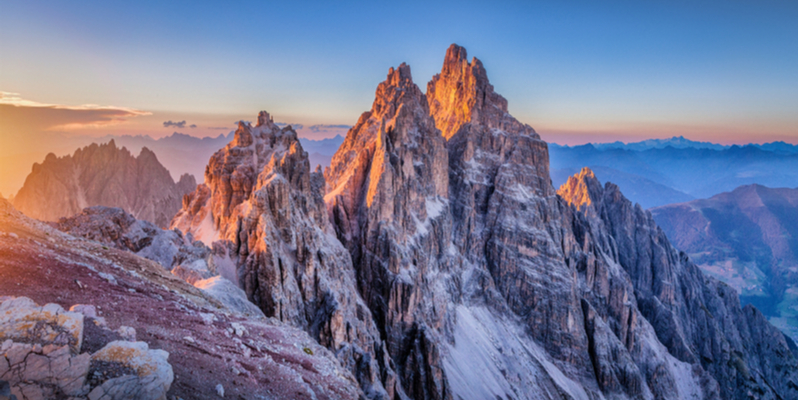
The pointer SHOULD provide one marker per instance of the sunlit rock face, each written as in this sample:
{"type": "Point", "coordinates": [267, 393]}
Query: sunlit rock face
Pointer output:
{"type": "Point", "coordinates": [103, 175]}
{"type": "Point", "coordinates": [581, 190]}
{"type": "Point", "coordinates": [262, 206]}
{"type": "Point", "coordinates": [387, 196]}
{"type": "Point", "coordinates": [489, 284]}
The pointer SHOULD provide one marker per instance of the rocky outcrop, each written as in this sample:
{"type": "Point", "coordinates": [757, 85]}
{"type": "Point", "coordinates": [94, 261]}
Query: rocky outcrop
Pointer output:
{"type": "Point", "coordinates": [42, 357]}
{"type": "Point", "coordinates": [191, 261]}
{"type": "Point", "coordinates": [263, 206]}
{"type": "Point", "coordinates": [114, 227]}
{"type": "Point", "coordinates": [102, 175]}
{"type": "Point", "coordinates": [461, 94]}
{"type": "Point", "coordinates": [746, 238]}
{"type": "Point", "coordinates": [488, 278]}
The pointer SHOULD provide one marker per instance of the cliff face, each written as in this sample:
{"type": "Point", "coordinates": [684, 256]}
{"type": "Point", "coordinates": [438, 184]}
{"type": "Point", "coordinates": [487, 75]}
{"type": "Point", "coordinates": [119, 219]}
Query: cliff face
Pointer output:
{"type": "Point", "coordinates": [699, 319]}
{"type": "Point", "coordinates": [490, 284]}
{"type": "Point", "coordinates": [262, 206]}
{"type": "Point", "coordinates": [388, 188]}
{"type": "Point", "coordinates": [102, 175]}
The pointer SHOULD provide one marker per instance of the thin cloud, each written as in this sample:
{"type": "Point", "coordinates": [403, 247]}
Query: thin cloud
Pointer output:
{"type": "Point", "coordinates": [192, 126]}
{"type": "Point", "coordinates": [169, 123]}
{"type": "Point", "coordinates": [18, 115]}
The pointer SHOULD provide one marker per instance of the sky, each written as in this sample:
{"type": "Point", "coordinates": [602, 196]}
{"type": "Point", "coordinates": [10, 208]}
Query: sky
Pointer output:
{"type": "Point", "coordinates": [577, 71]}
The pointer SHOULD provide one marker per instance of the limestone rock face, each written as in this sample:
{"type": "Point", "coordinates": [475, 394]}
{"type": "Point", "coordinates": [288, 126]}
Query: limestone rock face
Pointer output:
{"type": "Point", "coordinates": [698, 318]}
{"type": "Point", "coordinates": [493, 285]}
{"type": "Point", "coordinates": [36, 364]}
{"type": "Point", "coordinates": [102, 175]}
{"type": "Point", "coordinates": [462, 94]}
{"type": "Point", "coordinates": [582, 190]}
{"type": "Point", "coordinates": [387, 198]}
{"type": "Point", "coordinates": [262, 206]}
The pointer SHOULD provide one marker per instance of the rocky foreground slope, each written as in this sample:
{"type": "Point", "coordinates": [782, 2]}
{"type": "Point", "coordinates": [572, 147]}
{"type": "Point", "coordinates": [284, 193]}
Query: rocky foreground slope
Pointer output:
{"type": "Point", "coordinates": [102, 175]}
{"type": "Point", "coordinates": [212, 351]}
{"type": "Point", "coordinates": [442, 264]}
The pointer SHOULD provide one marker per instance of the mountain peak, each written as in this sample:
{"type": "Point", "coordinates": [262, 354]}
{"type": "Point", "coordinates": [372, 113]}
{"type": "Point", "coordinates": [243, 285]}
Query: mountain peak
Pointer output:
{"type": "Point", "coordinates": [400, 76]}
{"type": "Point", "coordinates": [264, 118]}
{"type": "Point", "coordinates": [243, 137]}
{"type": "Point", "coordinates": [397, 90]}
{"type": "Point", "coordinates": [581, 189]}
{"type": "Point", "coordinates": [455, 56]}
{"type": "Point", "coordinates": [461, 94]}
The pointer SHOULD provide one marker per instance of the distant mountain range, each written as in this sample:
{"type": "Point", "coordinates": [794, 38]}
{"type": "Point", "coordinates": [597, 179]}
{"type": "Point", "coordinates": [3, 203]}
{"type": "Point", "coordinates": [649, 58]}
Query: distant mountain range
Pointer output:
{"type": "Point", "coordinates": [746, 238]}
{"type": "Point", "coordinates": [104, 175]}
{"type": "Point", "coordinates": [670, 174]}
{"type": "Point", "coordinates": [680, 142]}
{"type": "Point", "coordinates": [179, 153]}
{"type": "Point", "coordinates": [183, 154]}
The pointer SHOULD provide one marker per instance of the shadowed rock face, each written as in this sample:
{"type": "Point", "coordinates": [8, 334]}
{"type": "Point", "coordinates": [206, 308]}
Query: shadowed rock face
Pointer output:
{"type": "Point", "coordinates": [699, 319]}
{"type": "Point", "coordinates": [490, 284]}
{"type": "Point", "coordinates": [263, 207]}
{"type": "Point", "coordinates": [102, 175]}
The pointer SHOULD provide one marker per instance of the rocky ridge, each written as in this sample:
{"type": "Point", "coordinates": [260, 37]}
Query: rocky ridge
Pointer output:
{"type": "Point", "coordinates": [263, 205]}
{"type": "Point", "coordinates": [436, 259]}
{"type": "Point", "coordinates": [102, 175]}
{"type": "Point", "coordinates": [497, 286]}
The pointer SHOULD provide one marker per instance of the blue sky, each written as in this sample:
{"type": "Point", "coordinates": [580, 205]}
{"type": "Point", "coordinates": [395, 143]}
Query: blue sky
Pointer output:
{"type": "Point", "coordinates": [724, 71]}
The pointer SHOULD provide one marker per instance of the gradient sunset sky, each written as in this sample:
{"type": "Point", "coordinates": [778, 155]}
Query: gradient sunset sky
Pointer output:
{"type": "Point", "coordinates": [722, 71]}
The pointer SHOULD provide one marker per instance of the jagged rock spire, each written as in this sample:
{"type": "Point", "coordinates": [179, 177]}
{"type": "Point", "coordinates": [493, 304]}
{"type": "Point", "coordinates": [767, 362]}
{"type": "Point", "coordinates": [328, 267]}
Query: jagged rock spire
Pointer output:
{"type": "Point", "coordinates": [582, 189]}
{"type": "Point", "coordinates": [387, 187]}
{"type": "Point", "coordinates": [262, 206]}
{"type": "Point", "coordinates": [462, 94]}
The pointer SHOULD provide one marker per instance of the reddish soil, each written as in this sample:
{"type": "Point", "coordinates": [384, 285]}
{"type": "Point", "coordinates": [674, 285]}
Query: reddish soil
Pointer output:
{"type": "Point", "coordinates": [268, 361]}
